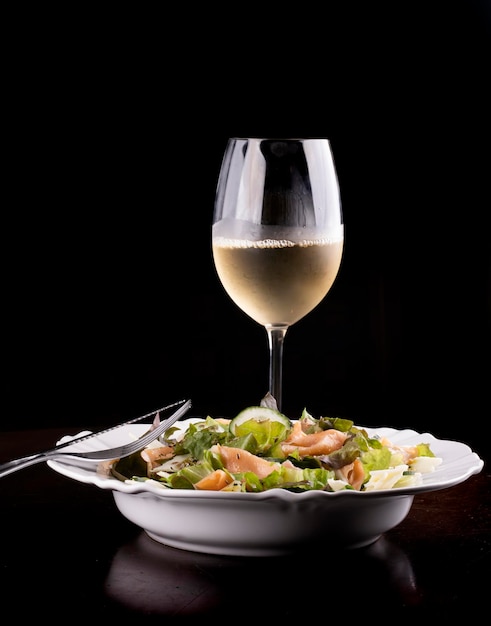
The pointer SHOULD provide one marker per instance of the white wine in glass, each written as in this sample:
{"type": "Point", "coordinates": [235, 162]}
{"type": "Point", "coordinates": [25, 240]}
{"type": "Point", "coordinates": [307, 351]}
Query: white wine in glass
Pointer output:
{"type": "Point", "coordinates": [277, 234]}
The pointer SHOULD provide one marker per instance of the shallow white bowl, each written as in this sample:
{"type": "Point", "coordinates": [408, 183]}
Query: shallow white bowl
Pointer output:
{"type": "Point", "coordinates": [274, 522]}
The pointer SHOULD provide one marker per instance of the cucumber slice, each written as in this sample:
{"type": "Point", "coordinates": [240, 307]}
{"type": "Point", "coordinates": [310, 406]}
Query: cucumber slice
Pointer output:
{"type": "Point", "coordinates": [258, 414]}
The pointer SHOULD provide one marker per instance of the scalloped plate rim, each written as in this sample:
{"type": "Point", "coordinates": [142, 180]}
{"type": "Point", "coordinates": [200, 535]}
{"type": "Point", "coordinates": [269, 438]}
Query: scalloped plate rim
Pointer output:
{"type": "Point", "coordinates": [452, 452]}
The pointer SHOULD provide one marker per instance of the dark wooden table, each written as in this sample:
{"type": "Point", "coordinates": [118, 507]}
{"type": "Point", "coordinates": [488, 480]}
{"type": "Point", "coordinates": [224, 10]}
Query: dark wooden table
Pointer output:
{"type": "Point", "coordinates": [67, 552]}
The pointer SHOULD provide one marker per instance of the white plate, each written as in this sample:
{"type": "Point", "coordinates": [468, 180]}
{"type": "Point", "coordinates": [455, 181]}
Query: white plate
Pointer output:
{"type": "Point", "coordinates": [271, 522]}
{"type": "Point", "coordinates": [459, 463]}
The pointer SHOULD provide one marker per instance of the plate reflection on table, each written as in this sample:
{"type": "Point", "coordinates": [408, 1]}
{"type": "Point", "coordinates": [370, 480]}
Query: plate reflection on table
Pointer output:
{"type": "Point", "coordinates": [146, 576]}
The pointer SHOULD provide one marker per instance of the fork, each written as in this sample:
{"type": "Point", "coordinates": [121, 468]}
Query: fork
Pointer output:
{"type": "Point", "coordinates": [96, 456]}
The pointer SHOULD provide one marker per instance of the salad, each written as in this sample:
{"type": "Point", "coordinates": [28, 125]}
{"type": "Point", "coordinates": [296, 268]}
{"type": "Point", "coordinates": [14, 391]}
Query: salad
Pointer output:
{"type": "Point", "coordinates": [261, 449]}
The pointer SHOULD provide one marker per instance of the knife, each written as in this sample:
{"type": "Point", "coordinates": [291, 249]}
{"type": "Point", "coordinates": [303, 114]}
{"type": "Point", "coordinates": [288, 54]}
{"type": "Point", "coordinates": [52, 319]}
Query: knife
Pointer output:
{"type": "Point", "coordinates": [106, 430]}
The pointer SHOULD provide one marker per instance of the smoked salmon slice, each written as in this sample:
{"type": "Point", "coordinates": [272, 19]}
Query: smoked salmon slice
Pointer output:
{"type": "Point", "coordinates": [237, 461]}
{"type": "Point", "coordinates": [314, 444]}
{"type": "Point", "coordinates": [215, 481]}
{"type": "Point", "coordinates": [155, 456]}
{"type": "Point", "coordinates": [353, 473]}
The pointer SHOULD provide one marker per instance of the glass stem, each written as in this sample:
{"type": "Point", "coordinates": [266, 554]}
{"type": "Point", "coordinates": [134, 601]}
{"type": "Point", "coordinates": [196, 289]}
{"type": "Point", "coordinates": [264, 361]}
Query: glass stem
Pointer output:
{"type": "Point", "coordinates": [276, 336]}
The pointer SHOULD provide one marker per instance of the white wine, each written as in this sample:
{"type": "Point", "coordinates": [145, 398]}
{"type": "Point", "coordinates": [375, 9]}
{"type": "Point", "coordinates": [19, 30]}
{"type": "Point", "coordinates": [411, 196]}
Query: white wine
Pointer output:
{"type": "Point", "coordinates": [277, 233]}
{"type": "Point", "coordinates": [277, 282]}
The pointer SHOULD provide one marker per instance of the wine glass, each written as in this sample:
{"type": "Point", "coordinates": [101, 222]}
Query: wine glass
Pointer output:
{"type": "Point", "coordinates": [277, 234]}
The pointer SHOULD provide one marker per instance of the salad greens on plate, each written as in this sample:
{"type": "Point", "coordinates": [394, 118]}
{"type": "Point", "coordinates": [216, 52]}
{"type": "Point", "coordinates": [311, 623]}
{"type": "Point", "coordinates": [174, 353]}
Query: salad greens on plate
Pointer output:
{"type": "Point", "coordinates": [262, 449]}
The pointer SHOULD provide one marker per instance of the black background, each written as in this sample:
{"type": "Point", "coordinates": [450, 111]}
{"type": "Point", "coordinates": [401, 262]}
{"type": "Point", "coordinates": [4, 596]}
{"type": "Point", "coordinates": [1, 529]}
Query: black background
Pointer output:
{"type": "Point", "coordinates": [113, 131]}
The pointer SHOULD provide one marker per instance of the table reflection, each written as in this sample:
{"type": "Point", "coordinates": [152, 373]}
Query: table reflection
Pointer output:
{"type": "Point", "coordinates": [146, 576]}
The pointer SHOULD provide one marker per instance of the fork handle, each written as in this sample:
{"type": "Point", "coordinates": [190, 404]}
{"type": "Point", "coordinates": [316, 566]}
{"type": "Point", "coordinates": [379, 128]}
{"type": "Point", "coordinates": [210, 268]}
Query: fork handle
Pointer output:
{"type": "Point", "coordinates": [51, 455]}
{"type": "Point", "coordinates": [25, 461]}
